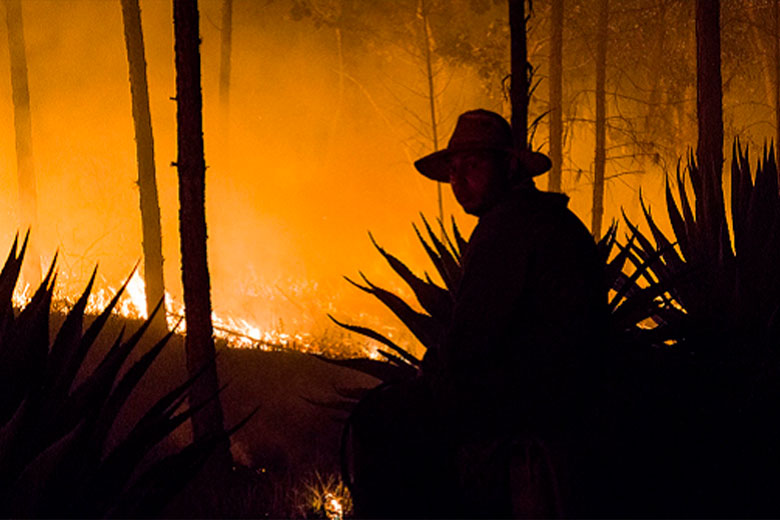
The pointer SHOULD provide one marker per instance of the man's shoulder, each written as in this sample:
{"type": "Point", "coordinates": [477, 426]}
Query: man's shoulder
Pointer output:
{"type": "Point", "coordinates": [529, 207]}
{"type": "Point", "coordinates": [528, 213]}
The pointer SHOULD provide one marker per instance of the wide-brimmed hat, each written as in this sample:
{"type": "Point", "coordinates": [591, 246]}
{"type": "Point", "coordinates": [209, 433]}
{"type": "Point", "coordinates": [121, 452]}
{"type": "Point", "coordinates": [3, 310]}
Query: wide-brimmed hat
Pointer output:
{"type": "Point", "coordinates": [481, 130]}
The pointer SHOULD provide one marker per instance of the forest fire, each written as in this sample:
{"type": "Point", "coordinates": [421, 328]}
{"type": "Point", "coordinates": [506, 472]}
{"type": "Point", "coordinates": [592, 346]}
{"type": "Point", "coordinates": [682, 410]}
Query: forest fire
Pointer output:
{"type": "Point", "coordinates": [599, 249]}
{"type": "Point", "coordinates": [236, 332]}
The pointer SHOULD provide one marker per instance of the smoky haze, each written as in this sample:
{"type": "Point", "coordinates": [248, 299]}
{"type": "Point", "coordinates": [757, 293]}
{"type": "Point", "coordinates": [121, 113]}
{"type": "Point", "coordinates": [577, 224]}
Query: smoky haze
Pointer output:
{"type": "Point", "coordinates": [318, 152]}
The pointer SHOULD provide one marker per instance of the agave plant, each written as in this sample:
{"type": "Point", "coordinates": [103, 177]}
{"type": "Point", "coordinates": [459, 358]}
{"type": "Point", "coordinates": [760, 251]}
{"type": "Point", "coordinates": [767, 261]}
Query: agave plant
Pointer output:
{"type": "Point", "coordinates": [632, 302]}
{"type": "Point", "coordinates": [696, 319]}
{"type": "Point", "coordinates": [436, 302]}
{"type": "Point", "coordinates": [55, 460]}
{"type": "Point", "coordinates": [724, 284]}
{"type": "Point", "coordinates": [712, 295]}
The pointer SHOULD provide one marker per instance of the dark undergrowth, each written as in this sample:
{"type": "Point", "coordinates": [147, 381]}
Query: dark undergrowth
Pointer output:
{"type": "Point", "coordinates": [94, 420]}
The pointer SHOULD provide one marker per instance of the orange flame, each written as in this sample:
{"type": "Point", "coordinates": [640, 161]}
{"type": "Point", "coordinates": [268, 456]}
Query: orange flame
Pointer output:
{"type": "Point", "coordinates": [236, 332]}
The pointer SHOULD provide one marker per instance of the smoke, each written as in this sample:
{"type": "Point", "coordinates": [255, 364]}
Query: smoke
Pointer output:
{"type": "Point", "coordinates": [318, 152]}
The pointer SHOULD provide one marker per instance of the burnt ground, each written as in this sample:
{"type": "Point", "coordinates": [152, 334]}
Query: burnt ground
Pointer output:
{"type": "Point", "coordinates": [289, 442]}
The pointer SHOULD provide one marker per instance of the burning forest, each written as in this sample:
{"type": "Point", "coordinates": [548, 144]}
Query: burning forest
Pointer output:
{"type": "Point", "coordinates": [233, 288]}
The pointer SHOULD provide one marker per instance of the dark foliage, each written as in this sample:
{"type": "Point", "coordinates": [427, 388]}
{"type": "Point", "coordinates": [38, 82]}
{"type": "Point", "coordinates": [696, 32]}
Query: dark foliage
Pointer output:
{"type": "Point", "coordinates": [631, 303]}
{"type": "Point", "coordinates": [697, 292]}
{"type": "Point", "coordinates": [727, 289]}
{"type": "Point", "coordinates": [444, 252]}
{"type": "Point", "coordinates": [695, 320]}
{"type": "Point", "coordinates": [705, 381]}
{"type": "Point", "coordinates": [55, 459]}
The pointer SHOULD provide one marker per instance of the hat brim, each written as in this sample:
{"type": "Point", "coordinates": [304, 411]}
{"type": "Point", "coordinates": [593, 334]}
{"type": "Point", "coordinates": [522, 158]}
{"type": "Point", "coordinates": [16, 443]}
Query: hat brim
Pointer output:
{"type": "Point", "coordinates": [434, 166]}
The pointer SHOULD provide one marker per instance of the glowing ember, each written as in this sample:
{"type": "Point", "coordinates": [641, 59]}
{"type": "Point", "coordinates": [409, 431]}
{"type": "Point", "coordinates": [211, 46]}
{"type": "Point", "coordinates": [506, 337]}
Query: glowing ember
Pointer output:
{"type": "Point", "coordinates": [325, 495]}
{"type": "Point", "coordinates": [333, 507]}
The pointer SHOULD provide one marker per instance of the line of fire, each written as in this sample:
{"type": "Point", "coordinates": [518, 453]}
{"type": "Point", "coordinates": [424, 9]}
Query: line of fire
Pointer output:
{"type": "Point", "coordinates": [390, 258]}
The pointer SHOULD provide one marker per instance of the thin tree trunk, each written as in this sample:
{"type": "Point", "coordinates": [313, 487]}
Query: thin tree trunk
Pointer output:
{"type": "Point", "coordinates": [147, 177]}
{"type": "Point", "coordinates": [342, 73]}
{"type": "Point", "coordinates": [709, 90]}
{"type": "Point", "coordinates": [776, 75]}
{"type": "Point", "coordinates": [556, 94]}
{"type": "Point", "coordinates": [763, 44]}
{"type": "Point", "coordinates": [709, 111]}
{"type": "Point", "coordinates": [654, 108]}
{"type": "Point", "coordinates": [431, 93]}
{"type": "Point", "coordinates": [25, 167]}
{"type": "Point", "coordinates": [339, 103]}
{"type": "Point", "coordinates": [600, 162]}
{"type": "Point", "coordinates": [199, 342]}
{"type": "Point", "coordinates": [518, 89]}
{"type": "Point", "coordinates": [224, 73]}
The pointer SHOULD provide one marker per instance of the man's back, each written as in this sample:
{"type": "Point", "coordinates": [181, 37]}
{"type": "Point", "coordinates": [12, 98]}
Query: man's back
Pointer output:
{"type": "Point", "coordinates": [528, 314]}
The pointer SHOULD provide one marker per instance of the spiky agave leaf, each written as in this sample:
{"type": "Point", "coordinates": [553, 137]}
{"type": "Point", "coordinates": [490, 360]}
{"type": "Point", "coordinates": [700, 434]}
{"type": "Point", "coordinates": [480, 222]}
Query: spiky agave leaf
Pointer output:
{"type": "Point", "coordinates": [68, 336]}
{"type": "Point", "coordinates": [382, 370]}
{"type": "Point", "coordinates": [424, 327]}
{"type": "Point", "coordinates": [125, 386]}
{"type": "Point", "coordinates": [670, 256]}
{"type": "Point", "coordinates": [642, 269]}
{"type": "Point", "coordinates": [76, 353]}
{"type": "Point", "coordinates": [436, 301]}
{"type": "Point", "coordinates": [614, 268]}
{"type": "Point", "coordinates": [437, 261]}
{"type": "Point", "coordinates": [341, 405]}
{"type": "Point", "coordinates": [118, 466]}
{"type": "Point", "coordinates": [27, 496]}
{"type": "Point", "coordinates": [452, 245]}
{"type": "Point", "coordinates": [676, 219]}
{"type": "Point", "coordinates": [449, 267]}
{"type": "Point", "coordinates": [8, 279]}
{"type": "Point", "coordinates": [461, 242]}
{"type": "Point", "coordinates": [606, 243]}
{"type": "Point", "coordinates": [689, 235]}
{"type": "Point", "coordinates": [376, 336]}
{"type": "Point", "coordinates": [741, 188]}
{"type": "Point", "coordinates": [26, 347]}
{"type": "Point", "coordinates": [49, 426]}
{"type": "Point", "coordinates": [148, 495]}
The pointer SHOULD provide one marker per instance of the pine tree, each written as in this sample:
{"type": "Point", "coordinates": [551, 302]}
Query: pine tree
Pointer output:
{"type": "Point", "coordinates": [25, 167]}
{"type": "Point", "coordinates": [199, 342]}
{"type": "Point", "coordinates": [147, 177]}
{"type": "Point", "coordinates": [518, 90]}
{"type": "Point", "coordinates": [600, 162]}
{"type": "Point", "coordinates": [556, 94]}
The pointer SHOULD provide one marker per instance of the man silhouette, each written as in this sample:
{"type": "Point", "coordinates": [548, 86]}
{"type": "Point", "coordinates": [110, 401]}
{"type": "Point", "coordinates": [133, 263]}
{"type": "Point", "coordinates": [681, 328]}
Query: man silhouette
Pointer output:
{"type": "Point", "coordinates": [507, 395]}
{"type": "Point", "coordinates": [518, 358]}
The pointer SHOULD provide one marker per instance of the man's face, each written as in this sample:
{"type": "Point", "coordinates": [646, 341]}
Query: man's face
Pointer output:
{"type": "Point", "coordinates": [478, 178]}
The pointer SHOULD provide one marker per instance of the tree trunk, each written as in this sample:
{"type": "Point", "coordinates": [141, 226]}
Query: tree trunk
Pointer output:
{"type": "Point", "coordinates": [709, 109]}
{"type": "Point", "coordinates": [600, 162]}
{"type": "Point", "coordinates": [518, 89]}
{"type": "Point", "coordinates": [763, 43]}
{"type": "Point", "coordinates": [655, 117]}
{"type": "Point", "coordinates": [431, 94]}
{"type": "Point", "coordinates": [25, 168]}
{"type": "Point", "coordinates": [144, 149]}
{"type": "Point", "coordinates": [199, 342]}
{"type": "Point", "coordinates": [776, 76]}
{"type": "Point", "coordinates": [556, 94]}
{"type": "Point", "coordinates": [224, 73]}
{"type": "Point", "coordinates": [709, 93]}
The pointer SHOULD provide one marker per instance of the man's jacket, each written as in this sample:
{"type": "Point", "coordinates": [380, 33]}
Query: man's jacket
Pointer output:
{"type": "Point", "coordinates": [523, 344]}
